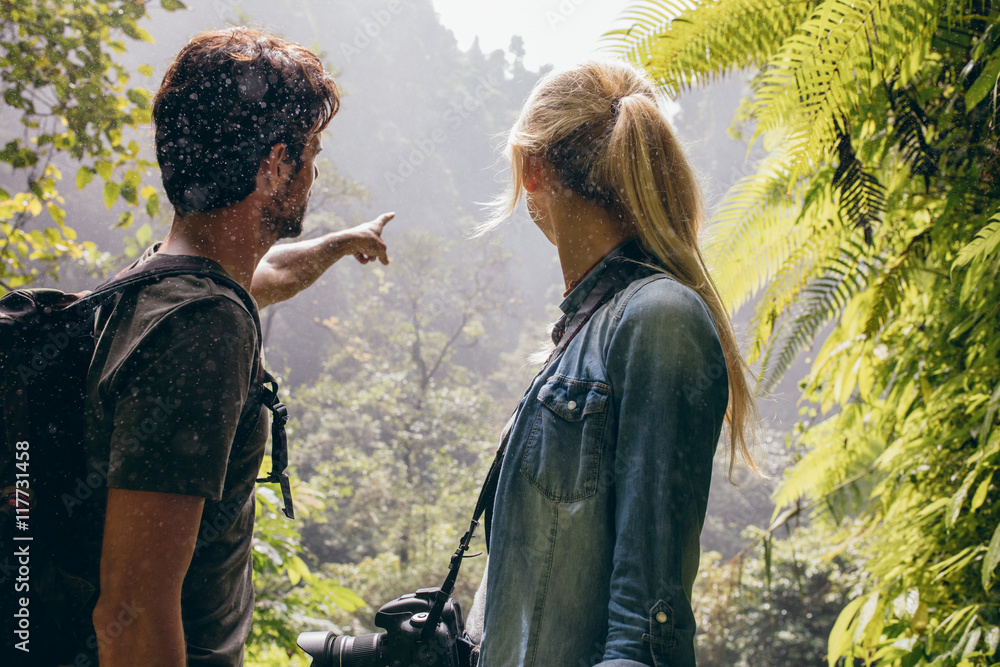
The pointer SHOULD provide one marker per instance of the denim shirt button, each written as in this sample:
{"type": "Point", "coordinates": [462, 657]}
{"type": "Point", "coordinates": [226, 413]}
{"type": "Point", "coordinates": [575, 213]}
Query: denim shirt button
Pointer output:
{"type": "Point", "coordinates": [571, 405]}
{"type": "Point", "coordinates": [662, 617]}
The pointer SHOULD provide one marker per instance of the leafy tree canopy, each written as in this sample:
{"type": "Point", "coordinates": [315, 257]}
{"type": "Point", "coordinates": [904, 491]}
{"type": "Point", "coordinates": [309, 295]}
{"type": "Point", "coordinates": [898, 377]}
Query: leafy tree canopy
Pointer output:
{"type": "Point", "coordinates": [74, 104]}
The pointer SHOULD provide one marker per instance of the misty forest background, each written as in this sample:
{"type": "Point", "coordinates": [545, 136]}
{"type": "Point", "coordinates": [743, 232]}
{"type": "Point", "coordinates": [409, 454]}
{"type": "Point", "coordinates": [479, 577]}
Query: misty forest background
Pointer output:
{"type": "Point", "coordinates": [855, 238]}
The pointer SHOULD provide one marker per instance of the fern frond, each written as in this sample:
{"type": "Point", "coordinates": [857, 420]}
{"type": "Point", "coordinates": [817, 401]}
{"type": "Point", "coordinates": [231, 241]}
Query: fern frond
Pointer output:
{"type": "Point", "coordinates": [888, 289]}
{"type": "Point", "coordinates": [985, 243]}
{"type": "Point", "coordinates": [908, 133]}
{"type": "Point", "coordinates": [753, 232]}
{"type": "Point", "coordinates": [786, 288]}
{"type": "Point", "coordinates": [646, 21]}
{"type": "Point", "coordinates": [862, 197]}
{"type": "Point", "coordinates": [843, 52]}
{"type": "Point", "coordinates": [843, 276]}
{"type": "Point", "coordinates": [839, 448]}
{"type": "Point", "coordinates": [685, 44]}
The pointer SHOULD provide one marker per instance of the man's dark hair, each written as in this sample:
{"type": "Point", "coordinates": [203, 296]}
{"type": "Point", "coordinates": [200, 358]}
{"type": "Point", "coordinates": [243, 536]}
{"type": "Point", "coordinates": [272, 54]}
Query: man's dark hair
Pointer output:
{"type": "Point", "coordinates": [227, 99]}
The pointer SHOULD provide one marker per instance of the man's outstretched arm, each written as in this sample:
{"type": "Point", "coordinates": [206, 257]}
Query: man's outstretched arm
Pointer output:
{"type": "Point", "coordinates": [289, 268]}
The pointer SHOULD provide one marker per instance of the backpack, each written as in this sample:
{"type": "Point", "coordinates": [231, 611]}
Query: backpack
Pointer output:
{"type": "Point", "coordinates": [48, 583]}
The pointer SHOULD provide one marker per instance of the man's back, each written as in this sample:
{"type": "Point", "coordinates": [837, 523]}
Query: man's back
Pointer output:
{"type": "Point", "coordinates": [169, 380]}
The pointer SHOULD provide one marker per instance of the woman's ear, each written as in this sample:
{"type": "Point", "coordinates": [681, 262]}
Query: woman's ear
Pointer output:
{"type": "Point", "coordinates": [531, 175]}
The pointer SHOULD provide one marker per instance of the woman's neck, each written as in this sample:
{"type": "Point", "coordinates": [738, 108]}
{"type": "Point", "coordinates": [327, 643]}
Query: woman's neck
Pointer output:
{"type": "Point", "coordinates": [584, 235]}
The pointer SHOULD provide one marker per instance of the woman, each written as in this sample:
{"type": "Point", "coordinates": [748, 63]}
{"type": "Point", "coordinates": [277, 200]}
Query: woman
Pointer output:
{"type": "Point", "coordinates": [594, 536]}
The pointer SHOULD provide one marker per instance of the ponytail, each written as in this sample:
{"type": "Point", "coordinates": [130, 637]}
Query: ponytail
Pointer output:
{"type": "Point", "coordinates": [660, 194]}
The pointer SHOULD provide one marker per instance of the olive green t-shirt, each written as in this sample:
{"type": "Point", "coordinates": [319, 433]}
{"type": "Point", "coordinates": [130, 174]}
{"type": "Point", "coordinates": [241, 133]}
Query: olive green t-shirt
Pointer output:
{"type": "Point", "coordinates": [166, 388]}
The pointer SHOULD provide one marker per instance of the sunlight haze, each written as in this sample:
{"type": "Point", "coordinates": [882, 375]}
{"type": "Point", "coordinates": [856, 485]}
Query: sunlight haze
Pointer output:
{"type": "Point", "coordinates": [559, 32]}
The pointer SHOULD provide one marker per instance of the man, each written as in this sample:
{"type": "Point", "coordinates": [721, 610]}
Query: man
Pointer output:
{"type": "Point", "coordinates": [238, 121]}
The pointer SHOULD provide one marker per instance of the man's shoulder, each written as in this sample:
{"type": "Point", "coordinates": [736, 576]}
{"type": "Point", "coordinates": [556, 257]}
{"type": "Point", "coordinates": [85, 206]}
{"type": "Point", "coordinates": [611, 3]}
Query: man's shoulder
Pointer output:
{"type": "Point", "coordinates": [188, 300]}
{"type": "Point", "coordinates": [174, 292]}
{"type": "Point", "coordinates": [157, 299]}
{"type": "Point", "coordinates": [164, 314]}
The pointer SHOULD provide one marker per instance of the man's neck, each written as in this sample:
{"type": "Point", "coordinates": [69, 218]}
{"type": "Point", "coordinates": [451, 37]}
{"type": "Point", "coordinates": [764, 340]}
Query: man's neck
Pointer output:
{"type": "Point", "coordinates": [231, 236]}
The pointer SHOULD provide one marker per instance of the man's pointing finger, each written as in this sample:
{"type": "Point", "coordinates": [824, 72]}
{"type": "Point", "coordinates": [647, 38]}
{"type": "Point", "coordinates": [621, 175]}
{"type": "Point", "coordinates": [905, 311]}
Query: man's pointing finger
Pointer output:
{"type": "Point", "coordinates": [382, 220]}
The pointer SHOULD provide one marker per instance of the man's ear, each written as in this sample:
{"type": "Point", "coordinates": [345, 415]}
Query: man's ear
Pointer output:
{"type": "Point", "coordinates": [275, 169]}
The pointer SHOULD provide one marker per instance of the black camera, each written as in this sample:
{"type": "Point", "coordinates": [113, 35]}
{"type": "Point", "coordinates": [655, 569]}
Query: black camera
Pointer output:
{"type": "Point", "coordinates": [422, 629]}
{"type": "Point", "coordinates": [408, 640]}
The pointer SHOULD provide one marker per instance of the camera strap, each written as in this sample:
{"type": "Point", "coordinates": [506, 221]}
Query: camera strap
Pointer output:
{"type": "Point", "coordinates": [619, 274]}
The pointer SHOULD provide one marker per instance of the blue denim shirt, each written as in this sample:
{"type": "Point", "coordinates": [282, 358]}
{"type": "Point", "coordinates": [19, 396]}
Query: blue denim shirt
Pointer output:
{"type": "Point", "coordinates": [602, 494]}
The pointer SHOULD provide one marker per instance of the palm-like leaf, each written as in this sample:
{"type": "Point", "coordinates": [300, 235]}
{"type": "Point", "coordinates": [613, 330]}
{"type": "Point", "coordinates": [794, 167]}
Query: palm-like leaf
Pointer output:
{"type": "Point", "coordinates": [754, 231]}
{"type": "Point", "coordinates": [689, 43]}
{"type": "Point", "coordinates": [985, 244]}
{"type": "Point", "coordinates": [843, 52]}
{"type": "Point", "coordinates": [841, 277]}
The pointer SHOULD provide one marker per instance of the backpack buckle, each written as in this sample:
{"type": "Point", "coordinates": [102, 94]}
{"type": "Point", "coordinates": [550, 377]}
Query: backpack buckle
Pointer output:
{"type": "Point", "coordinates": [280, 413]}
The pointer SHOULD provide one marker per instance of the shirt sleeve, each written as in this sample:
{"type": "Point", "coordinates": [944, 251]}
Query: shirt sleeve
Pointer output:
{"type": "Point", "coordinates": [178, 399]}
{"type": "Point", "coordinates": [670, 388]}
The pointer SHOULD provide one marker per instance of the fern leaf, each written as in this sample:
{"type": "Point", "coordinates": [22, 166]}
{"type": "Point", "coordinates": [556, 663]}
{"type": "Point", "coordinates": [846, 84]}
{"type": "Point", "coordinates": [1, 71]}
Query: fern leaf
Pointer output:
{"type": "Point", "coordinates": [909, 127]}
{"type": "Point", "coordinates": [889, 287]}
{"type": "Point", "coordinates": [843, 276]}
{"type": "Point", "coordinates": [862, 197]}
{"type": "Point", "coordinates": [688, 43]}
{"type": "Point", "coordinates": [753, 232]}
{"type": "Point", "coordinates": [985, 244]}
{"type": "Point", "coordinates": [839, 55]}
{"type": "Point", "coordinates": [787, 287]}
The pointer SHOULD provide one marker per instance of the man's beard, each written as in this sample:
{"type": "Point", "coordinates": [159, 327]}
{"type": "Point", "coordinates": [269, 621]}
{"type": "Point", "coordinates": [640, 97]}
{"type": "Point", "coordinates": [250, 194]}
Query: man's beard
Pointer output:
{"type": "Point", "coordinates": [284, 224]}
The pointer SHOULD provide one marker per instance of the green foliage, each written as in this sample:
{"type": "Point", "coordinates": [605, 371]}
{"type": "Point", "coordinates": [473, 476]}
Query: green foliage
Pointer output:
{"type": "Point", "coordinates": [58, 73]}
{"type": "Point", "coordinates": [776, 604]}
{"type": "Point", "coordinates": [290, 595]}
{"type": "Point", "coordinates": [874, 214]}
{"type": "Point", "coordinates": [685, 48]}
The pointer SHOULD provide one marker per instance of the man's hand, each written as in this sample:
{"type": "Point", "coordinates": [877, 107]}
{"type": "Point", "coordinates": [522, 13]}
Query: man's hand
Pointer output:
{"type": "Point", "coordinates": [367, 239]}
{"type": "Point", "coordinates": [289, 268]}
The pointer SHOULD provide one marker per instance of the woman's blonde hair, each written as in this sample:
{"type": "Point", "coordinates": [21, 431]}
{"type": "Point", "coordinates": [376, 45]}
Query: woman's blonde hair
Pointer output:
{"type": "Point", "coordinates": [600, 126]}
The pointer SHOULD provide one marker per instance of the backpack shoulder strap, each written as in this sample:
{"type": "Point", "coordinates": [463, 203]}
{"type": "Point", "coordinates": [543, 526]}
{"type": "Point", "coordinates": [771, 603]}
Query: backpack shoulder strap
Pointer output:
{"type": "Point", "coordinates": [166, 266]}
{"type": "Point", "coordinates": [279, 444]}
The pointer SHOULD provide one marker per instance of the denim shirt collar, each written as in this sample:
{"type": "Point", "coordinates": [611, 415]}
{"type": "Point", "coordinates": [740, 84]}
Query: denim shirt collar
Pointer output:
{"type": "Point", "coordinates": [576, 297]}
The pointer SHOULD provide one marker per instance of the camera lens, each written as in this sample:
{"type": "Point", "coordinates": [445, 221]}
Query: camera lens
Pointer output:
{"type": "Point", "coordinates": [360, 651]}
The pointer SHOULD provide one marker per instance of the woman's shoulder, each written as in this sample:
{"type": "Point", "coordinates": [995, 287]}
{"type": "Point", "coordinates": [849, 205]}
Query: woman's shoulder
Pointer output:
{"type": "Point", "coordinates": [661, 297]}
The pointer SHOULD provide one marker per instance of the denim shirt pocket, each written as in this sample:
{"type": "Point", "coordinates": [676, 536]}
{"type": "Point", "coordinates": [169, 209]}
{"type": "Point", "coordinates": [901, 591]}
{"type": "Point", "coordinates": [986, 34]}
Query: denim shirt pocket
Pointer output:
{"type": "Point", "coordinates": [562, 458]}
{"type": "Point", "coordinates": [661, 633]}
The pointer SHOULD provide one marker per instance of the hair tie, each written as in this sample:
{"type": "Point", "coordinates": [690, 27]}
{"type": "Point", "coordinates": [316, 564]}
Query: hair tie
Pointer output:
{"type": "Point", "coordinates": [616, 106]}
